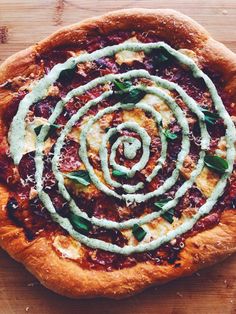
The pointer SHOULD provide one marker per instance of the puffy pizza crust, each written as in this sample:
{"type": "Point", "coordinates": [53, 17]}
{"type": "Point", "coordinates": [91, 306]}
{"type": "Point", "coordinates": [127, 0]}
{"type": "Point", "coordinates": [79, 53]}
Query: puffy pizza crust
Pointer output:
{"type": "Point", "coordinates": [63, 275]}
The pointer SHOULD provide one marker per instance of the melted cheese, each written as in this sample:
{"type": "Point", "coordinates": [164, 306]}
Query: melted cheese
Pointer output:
{"type": "Point", "coordinates": [67, 247]}
{"type": "Point", "coordinates": [30, 136]}
{"type": "Point", "coordinates": [221, 149]}
{"type": "Point", "coordinates": [189, 53]}
{"type": "Point", "coordinates": [188, 167]}
{"type": "Point", "coordinates": [159, 227]}
{"type": "Point", "coordinates": [138, 116]}
{"type": "Point", "coordinates": [161, 107]}
{"type": "Point", "coordinates": [126, 56]}
{"type": "Point", "coordinates": [33, 193]}
{"type": "Point", "coordinates": [53, 91]}
{"type": "Point", "coordinates": [207, 181]}
{"type": "Point", "coordinates": [94, 137]}
{"type": "Point", "coordinates": [95, 134]}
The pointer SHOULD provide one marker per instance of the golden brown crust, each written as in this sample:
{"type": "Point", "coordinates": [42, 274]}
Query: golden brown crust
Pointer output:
{"type": "Point", "coordinates": [66, 276]}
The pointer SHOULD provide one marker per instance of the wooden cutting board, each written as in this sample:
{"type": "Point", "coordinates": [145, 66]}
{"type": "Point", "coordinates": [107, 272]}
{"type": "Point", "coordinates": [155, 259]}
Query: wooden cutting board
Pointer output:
{"type": "Point", "coordinates": [210, 291]}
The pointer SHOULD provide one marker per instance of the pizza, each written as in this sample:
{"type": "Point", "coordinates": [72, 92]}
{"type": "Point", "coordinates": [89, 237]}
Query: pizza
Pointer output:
{"type": "Point", "coordinates": [117, 156]}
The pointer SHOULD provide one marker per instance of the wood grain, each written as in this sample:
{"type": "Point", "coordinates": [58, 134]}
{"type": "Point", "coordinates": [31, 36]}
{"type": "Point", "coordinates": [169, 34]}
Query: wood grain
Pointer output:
{"type": "Point", "coordinates": [25, 22]}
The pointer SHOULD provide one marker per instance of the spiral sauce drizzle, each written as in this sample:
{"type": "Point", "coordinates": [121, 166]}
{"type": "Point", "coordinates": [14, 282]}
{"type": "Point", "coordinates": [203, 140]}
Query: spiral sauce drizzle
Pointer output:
{"type": "Point", "coordinates": [17, 131]}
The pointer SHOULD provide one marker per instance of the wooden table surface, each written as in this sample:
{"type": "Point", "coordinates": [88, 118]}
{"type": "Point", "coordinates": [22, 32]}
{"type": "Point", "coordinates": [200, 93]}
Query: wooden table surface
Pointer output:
{"type": "Point", "coordinates": [210, 291]}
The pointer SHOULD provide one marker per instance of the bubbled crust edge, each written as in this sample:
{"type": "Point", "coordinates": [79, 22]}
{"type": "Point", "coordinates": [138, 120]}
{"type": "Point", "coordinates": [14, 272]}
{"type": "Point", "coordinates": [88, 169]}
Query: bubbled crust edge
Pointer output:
{"type": "Point", "coordinates": [65, 276]}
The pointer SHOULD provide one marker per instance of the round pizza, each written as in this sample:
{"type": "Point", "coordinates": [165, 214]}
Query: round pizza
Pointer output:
{"type": "Point", "coordinates": [117, 156]}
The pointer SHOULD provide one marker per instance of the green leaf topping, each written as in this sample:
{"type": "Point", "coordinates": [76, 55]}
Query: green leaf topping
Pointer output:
{"type": "Point", "coordinates": [134, 96]}
{"type": "Point", "coordinates": [169, 135]}
{"type": "Point", "coordinates": [128, 95]}
{"type": "Point", "coordinates": [113, 138]}
{"type": "Point", "coordinates": [80, 176]}
{"type": "Point", "coordinates": [160, 57]}
{"type": "Point", "coordinates": [67, 75]}
{"type": "Point", "coordinates": [160, 204]}
{"type": "Point", "coordinates": [122, 85]}
{"type": "Point", "coordinates": [118, 173]}
{"type": "Point", "coordinates": [216, 163]}
{"type": "Point", "coordinates": [80, 223]}
{"type": "Point", "coordinates": [168, 215]}
{"type": "Point", "coordinates": [210, 117]}
{"type": "Point", "coordinates": [52, 129]}
{"type": "Point", "coordinates": [138, 232]}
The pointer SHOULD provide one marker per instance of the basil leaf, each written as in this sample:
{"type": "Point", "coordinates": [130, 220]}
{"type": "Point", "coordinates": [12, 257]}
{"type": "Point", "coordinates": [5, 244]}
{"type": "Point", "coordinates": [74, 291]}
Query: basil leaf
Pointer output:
{"type": "Point", "coordinates": [80, 176]}
{"type": "Point", "coordinates": [52, 129]}
{"type": "Point", "coordinates": [168, 215]}
{"type": "Point", "coordinates": [169, 135]}
{"type": "Point", "coordinates": [216, 163]}
{"type": "Point", "coordinates": [160, 204]}
{"type": "Point", "coordinates": [67, 75]}
{"type": "Point", "coordinates": [113, 138]}
{"type": "Point", "coordinates": [160, 56]}
{"type": "Point", "coordinates": [128, 95]}
{"type": "Point", "coordinates": [138, 232]}
{"type": "Point", "coordinates": [210, 117]}
{"type": "Point", "coordinates": [133, 96]}
{"type": "Point", "coordinates": [80, 223]}
{"type": "Point", "coordinates": [118, 173]}
{"type": "Point", "coordinates": [122, 85]}
{"type": "Point", "coordinates": [37, 129]}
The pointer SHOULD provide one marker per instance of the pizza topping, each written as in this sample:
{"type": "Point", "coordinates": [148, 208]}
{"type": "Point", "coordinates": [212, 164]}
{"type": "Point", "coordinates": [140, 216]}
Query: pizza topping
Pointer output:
{"type": "Point", "coordinates": [32, 128]}
{"type": "Point", "coordinates": [9, 173]}
{"type": "Point", "coordinates": [160, 204]}
{"type": "Point", "coordinates": [160, 56]}
{"type": "Point", "coordinates": [69, 159]}
{"type": "Point", "coordinates": [138, 232]}
{"type": "Point", "coordinates": [216, 163]}
{"type": "Point", "coordinates": [141, 100]}
{"type": "Point", "coordinates": [80, 176]}
{"type": "Point", "coordinates": [27, 168]}
{"type": "Point", "coordinates": [52, 129]}
{"type": "Point", "coordinates": [45, 107]}
{"type": "Point", "coordinates": [123, 86]}
{"type": "Point", "coordinates": [118, 173]}
{"type": "Point", "coordinates": [128, 56]}
{"type": "Point", "coordinates": [168, 215]}
{"type": "Point", "coordinates": [80, 223]}
{"type": "Point", "coordinates": [35, 220]}
{"type": "Point", "coordinates": [67, 247]}
{"type": "Point", "coordinates": [210, 117]}
{"type": "Point", "coordinates": [169, 135]}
